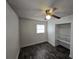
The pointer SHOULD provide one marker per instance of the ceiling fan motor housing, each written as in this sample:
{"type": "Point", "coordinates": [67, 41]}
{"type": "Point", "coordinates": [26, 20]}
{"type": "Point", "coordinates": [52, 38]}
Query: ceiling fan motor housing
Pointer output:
{"type": "Point", "coordinates": [49, 12]}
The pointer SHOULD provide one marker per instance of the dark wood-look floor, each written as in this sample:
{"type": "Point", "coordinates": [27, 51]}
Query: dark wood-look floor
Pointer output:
{"type": "Point", "coordinates": [43, 51]}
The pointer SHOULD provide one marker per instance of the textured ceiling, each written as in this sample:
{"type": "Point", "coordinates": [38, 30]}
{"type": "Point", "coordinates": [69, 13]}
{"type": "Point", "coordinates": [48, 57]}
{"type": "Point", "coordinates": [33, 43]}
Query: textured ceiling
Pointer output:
{"type": "Point", "coordinates": [34, 9]}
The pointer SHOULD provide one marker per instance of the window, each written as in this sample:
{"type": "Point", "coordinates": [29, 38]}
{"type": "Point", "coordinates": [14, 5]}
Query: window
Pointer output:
{"type": "Point", "coordinates": [40, 28]}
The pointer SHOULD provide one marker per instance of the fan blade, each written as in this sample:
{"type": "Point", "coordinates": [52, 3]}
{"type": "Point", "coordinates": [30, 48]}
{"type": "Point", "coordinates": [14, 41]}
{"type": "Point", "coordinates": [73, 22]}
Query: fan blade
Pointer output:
{"type": "Point", "coordinates": [54, 9]}
{"type": "Point", "coordinates": [56, 16]}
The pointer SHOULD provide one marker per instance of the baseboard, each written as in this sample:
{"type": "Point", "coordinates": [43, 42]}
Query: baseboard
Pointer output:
{"type": "Point", "coordinates": [50, 42]}
{"type": "Point", "coordinates": [18, 54]}
{"type": "Point", "coordinates": [32, 44]}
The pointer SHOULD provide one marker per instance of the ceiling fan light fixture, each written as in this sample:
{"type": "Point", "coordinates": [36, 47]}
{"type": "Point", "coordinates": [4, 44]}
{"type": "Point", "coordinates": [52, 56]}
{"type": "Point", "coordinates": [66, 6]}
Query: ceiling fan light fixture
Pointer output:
{"type": "Point", "coordinates": [48, 17]}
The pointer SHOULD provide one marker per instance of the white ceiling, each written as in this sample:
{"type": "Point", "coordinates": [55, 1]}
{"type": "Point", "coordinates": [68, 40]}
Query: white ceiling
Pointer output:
{"type": "Point", "coordinates": [34, 9]}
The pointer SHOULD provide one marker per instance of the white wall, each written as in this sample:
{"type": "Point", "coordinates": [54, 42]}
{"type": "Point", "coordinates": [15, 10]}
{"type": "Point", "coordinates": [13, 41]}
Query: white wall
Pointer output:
{"type": "Point", "coordinates": [51, 33]}
{"type": "Point", "coordinates": [28, 35]}
{"type": "Point", "coordinates": [51, 29]}
{"type": "Point", "coordinates": [12, 34]}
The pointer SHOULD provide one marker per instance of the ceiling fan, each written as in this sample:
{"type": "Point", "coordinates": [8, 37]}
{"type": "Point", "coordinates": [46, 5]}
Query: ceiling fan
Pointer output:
{"type": "Point", "coordinates": [51, 13]}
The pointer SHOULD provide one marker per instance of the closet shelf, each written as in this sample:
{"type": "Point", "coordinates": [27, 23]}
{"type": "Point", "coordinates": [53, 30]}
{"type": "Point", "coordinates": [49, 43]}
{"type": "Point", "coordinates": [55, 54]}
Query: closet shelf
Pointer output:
{"type": "Point", "coordinates": [64, 41]}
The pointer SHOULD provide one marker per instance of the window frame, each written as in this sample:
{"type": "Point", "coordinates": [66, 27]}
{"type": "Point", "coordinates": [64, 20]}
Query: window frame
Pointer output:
{"type": "Point", "coordinates": [37, 30]}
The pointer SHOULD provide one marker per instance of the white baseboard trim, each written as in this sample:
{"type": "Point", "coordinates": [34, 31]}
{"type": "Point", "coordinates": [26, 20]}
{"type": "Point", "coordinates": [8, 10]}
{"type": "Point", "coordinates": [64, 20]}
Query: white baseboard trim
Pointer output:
{"type": "Point", "coordinates": [18, 54]}
{"type": "Point", "coordinates": [32, 44]}
{"type": "Point", "coordinates": [50, 42]}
